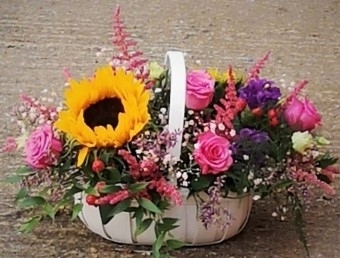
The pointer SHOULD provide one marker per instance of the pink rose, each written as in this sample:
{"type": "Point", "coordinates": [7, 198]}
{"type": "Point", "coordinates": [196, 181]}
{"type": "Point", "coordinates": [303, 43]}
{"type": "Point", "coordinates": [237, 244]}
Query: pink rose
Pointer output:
{"type": "Point", "coordinates": [301, 115]}
{"type": "Point", "coordinates": [200, 90]}
{"type": "Point", "coordinates": [212, 153]}
{"type": "Point", "coordinates": [42, 148]}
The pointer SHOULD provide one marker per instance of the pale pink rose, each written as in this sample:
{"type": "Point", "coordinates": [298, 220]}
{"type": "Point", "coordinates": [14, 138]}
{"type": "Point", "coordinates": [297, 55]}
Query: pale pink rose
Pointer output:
{"type": "Point", "coordinates": [200, 90]}
{"type": "Point", "coordinates": [301, 115]}
{"type": "Point", "coordinates": [42, 148]}
{"type": "Point", "coordinates": [212, 153]}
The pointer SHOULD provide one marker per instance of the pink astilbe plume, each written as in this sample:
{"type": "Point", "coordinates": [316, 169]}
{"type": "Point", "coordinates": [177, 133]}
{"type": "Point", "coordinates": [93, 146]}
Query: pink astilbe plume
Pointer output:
{"type": "Point", "coordinates": [132, 162]}
{"type": "Point", "coordinates": [258, 66]}
{"type": "Point", "coordinates": [330, 172]}
{"type": "Point", "coordinates": [307, 178]}
{"type": "Point", "coordinates": [67, 74]}
{"type": "Point", "coordinates": [42, 113]}
{"type": "Point", "coordinates": [129, 57]}
{"type": "Point", "coordinates": [295, 92]}
{"type": "Point", "coordinates": [231, 104]}
{"type": "Point", "coordinates": [166, 190]}
{"type": "Point", "coordinates": [10, 145]}
{"type": "Point", "coordinates": [302, 170]}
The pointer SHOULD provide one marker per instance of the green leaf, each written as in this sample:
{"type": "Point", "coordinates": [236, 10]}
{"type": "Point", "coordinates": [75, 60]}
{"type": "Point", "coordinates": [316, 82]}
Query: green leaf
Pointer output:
{"type": "Point", "coordinates": [24, 171]}
{"type": "Point", "coordinates": [113, 175]}
{"type": "Point", "coordinates": [30, 224]}
{"type": "Point", "coordinates": [63, 203]}
{"type": "Point", "coordinates": [72, 191]}
{"type": "Point", "coordinates": [138, 215]}
{"type": "Point", "coordinates": [105, 157]}
{"type": "Point", "coordinates": [91, 191]}
{"type": "Point", "coordinates": [163, 205]}
{"type": "Point", "coordinates": [202, 182]}
{"type": "Point", "coordinates": [156, 247]}
{"type": "Point", "coordinates": [23, 192]}
{"type": "Point", "coordinates": [137, 187]}
{"type": "Point", "coordinates": [326, 161]}
{"type": "Point", "coordinates": [280, 185]}
{"type": "Point", "coordinates": [110, 189]}
{"type": "Point", "coordinates": [49, 210]}
{"type": "Point", "coordinates": [149, 205]}
{"type": "Point", "coordinates": [76, 210]}
{"type": "Point", "coordinates": [169, 221]}
{"type": "Point", "coordinates": [174, 244]}
{"type": "Point", "coordinates": [144, 225]}
{"type": "Point", "coordinates": [30, 202]}
{"type": "Point", "coordinates": [107, 212]}
{"type": "Point", "coordinates": [14, 179]}
{"type": "Point", "coordinates": [163, 227]}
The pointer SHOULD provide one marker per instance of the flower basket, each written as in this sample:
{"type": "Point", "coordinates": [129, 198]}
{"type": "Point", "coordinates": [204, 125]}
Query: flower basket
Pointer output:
{"type": "Point", "coordinates": [153, 155]}
{"type": "Point", "coordinates": [191, 231]}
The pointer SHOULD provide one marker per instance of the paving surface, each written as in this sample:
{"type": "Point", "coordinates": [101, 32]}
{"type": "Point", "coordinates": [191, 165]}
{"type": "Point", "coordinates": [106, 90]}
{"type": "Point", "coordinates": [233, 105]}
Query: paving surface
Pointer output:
{"type": "Point", "coordinates": [39, 38]}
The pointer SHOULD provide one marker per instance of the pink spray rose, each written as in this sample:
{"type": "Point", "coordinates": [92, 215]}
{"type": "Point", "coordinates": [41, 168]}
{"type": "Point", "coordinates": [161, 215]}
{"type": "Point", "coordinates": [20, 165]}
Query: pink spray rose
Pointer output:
{"type": "Point", "coordinates": [301, 115]}
{"type": "Point", "coordinates": [212, 153]}
{"type": "Point", "coordinates": [200, 90]}
{"type": "Point", "coordinates": [42, 148]}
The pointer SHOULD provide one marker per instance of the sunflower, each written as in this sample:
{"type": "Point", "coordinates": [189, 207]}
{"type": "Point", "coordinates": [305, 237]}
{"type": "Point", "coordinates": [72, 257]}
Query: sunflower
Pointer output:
{"type": "Point", "coordinates": [107, 110]}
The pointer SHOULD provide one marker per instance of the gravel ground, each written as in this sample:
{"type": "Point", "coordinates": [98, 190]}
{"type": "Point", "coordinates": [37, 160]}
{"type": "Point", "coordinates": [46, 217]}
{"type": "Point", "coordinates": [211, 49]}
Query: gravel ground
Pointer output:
{"type": "Point", "coordinates": [39, 38]}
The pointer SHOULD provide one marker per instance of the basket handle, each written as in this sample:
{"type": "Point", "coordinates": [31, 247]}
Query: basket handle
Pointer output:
{"type": "Point", "coordinates": [175, 61]}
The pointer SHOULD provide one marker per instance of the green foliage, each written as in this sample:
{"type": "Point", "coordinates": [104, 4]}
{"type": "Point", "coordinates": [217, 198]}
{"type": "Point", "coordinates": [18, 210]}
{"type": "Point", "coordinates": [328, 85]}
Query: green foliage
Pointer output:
{"type": "Point", "coordinates": [149, 205]}
{"type": "Point", "coordinates": [107, 212]}
{"type": "Point", "coordinates": [202, 182]}
{"type": "Point", "coordinates": [30, 224]}
{"type": "Point", "coordinates": [142, 226]}
{"type": "Point", "coordinates": [31, 202]}
{"type": "Point", "coordinates": [76, 210]}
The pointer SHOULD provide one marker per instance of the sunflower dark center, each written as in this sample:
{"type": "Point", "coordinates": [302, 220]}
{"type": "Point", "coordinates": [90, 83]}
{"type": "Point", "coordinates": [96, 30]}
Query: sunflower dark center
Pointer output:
{"type": "Point", "coordinates": [104, 112]}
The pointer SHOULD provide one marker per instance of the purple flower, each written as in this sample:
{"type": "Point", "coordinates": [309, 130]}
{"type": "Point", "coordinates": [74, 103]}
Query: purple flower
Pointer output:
{"type": "Point", "coordinates": [259, 92]}
{"type": "Point", "coordinates": [251, 142]}
{"type": "Point", "coordinates": [254, 135]}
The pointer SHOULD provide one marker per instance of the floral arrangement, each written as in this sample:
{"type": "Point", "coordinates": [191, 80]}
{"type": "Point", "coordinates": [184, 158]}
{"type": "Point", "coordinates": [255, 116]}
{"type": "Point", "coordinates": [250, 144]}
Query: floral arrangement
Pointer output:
{"type": "Point", "coordinates": [109, 139]}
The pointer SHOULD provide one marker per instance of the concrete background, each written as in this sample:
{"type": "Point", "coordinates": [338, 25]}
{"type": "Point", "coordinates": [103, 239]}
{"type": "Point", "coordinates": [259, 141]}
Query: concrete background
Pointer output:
{"type": "Point", "coordinates": [39, 38]}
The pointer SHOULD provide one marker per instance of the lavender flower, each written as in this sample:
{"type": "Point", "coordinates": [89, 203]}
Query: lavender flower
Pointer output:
{"type": "Point", "coordinates": [212, 212]}
{"type": "Point", "coordinates": [259, 92]}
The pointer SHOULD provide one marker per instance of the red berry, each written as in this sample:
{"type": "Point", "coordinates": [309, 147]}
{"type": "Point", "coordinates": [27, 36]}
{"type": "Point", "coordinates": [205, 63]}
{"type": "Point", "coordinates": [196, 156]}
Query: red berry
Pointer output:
{"type": "Point", "coordinates": [91, 199]}
{"type": "Point", "coordinates": [98, 165]}
{"type": "Point", "coordinates": [257, 111]}
{"type": "Point", "coordinates": [240, 105]}
{"type": "Point", "coordinates": [274, 121]}
{"type": "Point", "coordinates": [272, 113]}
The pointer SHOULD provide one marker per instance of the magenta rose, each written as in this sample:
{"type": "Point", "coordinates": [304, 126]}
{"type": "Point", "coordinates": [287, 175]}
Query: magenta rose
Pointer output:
{"type": "Point", "coordinates": [212, 153]}
{"type": "Point", "coordinates": [42, 148]}
{"type": "Point", "coordinates": [301, 115]}
{"type": "Point", "coordinates": [200, 90]}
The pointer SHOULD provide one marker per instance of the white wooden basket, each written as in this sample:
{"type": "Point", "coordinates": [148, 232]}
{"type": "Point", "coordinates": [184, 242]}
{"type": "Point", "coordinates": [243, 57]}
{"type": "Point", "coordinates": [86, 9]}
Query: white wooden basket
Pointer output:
{"type": "Point", "coordinates": [191, 231]}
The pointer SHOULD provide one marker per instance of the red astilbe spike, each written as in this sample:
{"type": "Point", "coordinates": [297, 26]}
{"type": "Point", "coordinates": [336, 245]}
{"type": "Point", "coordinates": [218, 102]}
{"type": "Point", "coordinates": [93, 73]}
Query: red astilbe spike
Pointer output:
{"type": "Point", "coordinates": [129, 57]}
{"type": "Point", "coordinates": [258, 66]}
{"type": "Point", "coordinates": [230, 104]}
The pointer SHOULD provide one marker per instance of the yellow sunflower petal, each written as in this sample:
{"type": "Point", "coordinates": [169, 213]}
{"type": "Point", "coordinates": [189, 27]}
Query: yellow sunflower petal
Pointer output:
{"type": "Point", "coordinates": [82, 156]}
